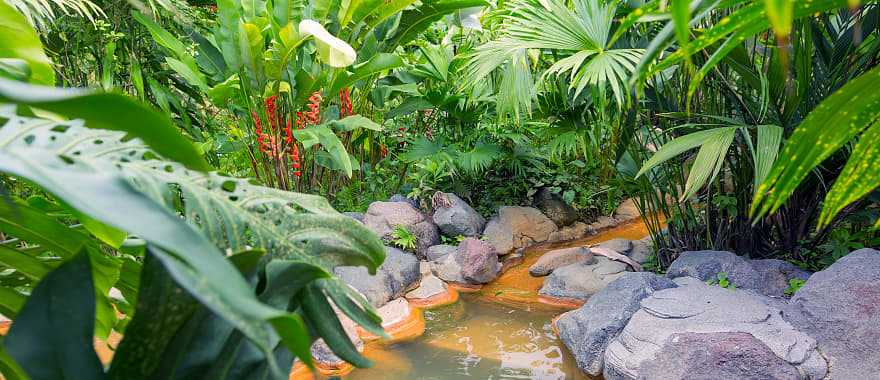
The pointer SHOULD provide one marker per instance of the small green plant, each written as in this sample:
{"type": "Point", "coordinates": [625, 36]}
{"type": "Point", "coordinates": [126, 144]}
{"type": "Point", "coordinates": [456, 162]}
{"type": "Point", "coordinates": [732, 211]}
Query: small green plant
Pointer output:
{"type": "Point", "coordinates": [722, 281]}
{"type": "Point", "coordinates": [794, 285]}
{"type": "Point", "coordinates": [452, 240]}
{"type": "Point", "coordinates": [403, 238]}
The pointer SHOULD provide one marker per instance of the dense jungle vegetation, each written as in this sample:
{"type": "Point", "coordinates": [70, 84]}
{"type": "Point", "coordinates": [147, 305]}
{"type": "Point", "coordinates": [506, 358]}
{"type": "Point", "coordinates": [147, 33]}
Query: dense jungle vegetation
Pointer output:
{"type": "Point", "coordinates": [196, 155]}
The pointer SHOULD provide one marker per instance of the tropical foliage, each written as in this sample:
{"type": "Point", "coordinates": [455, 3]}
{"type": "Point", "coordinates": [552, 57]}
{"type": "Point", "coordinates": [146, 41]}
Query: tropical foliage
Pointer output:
{"type": "Point", "coordinates": [170, 171]}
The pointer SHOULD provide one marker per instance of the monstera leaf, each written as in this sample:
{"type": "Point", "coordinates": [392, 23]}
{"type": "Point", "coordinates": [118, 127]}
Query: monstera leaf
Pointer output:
{"type": "Point", "coordinates": [123, 183]}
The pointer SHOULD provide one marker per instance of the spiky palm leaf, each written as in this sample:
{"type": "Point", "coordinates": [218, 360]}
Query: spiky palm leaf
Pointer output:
{"type": "Point", "coordinates": [584, 32]}
{"type": "Point", "coordinates": [40, 13]}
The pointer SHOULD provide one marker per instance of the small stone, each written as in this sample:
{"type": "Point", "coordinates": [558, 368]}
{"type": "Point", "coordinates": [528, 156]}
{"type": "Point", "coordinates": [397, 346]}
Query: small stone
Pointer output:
{"type": "Point", "coordinates": [555, 208]}
{"type": "Point", "coordinates": [448, 269]}
{"type": "Point", "coordinates": [559, 258]}
{"type": "Point", "coordinates": [430, 286]}
{"type": "Point", "coordinates": [455, 217]}
{"type": "Point", "coordinates": [437, 252]}
{"type": "Point", "coordinates": [394, 312]}
{"type": "Point", "coordinates": [479, 261]}
{"type": "Point", "coordinates": [580, 281]}
{"type": "Point", "coordinates": [622, 246]}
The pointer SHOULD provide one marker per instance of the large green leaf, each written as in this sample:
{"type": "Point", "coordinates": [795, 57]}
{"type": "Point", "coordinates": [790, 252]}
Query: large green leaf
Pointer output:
{"type": "Point", "coordinates": [324, 136]}
{"type": "Point", "coordinates": [65, 160]}
{"type": "Point", "coordinates": [377, 64]}
{"type": "Point", "coordinates": [19, 40]}
{"type": "Point", "coordinates": [851, 109]}
{"type": "Point", "coordinates": [108, 111]}
{"type": "Point", "coordinates": [52, 335]}
{"type": "Point", "coordinates": [859, 177]}
{"type": "Point", "coordinates": [414, 21]}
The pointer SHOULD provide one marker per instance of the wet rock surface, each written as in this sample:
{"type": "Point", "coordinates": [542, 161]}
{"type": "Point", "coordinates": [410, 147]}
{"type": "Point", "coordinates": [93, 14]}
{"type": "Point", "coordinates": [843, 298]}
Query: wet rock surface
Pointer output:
{"type": "Point", "coordinates": [587, 331]}
{"type": "Point", "coordinates": [580, 281]}
{"type": "Point", "coordinates": [398, 274]}
{"type": "Point", "coordinates": [559, 258]}
{"type": "Point", "coordinates": [456, 217]}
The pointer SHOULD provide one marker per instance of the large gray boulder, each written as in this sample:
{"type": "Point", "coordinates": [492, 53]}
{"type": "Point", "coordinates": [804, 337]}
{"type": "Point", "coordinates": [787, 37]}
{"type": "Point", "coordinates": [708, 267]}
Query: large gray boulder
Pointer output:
{"type": "Point", "coordinates": [552, 205]}
{"type": "Point", "coordinates": [559, 258]}
{"type": "Point", "coordinates": [517, 227]}
{"type": "Point", "coordinates": [455, 217]}
{"type": "Point", "coordinates": [588, 330]}
{"type": "Point", "coordinates": [383, 217]}
{"type": "Point", "coordinates": [728, 355]}
{"type": "Point", "coordinates": [398, 274]}
{"type": "Point", "coordinates": [840, 307]}
{"type": "Point", "coordinates": [582, 280]}
{"type": "Point", "coordinates": [695, 307]}
{"type": "Point", "coordinates": [768, 277]}
{"type": "Point", "coordinates": [479, 261]}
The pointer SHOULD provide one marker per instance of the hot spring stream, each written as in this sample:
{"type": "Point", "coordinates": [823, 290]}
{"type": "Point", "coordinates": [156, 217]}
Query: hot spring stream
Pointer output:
{"type": "Point", "coordinates": [502, 331]}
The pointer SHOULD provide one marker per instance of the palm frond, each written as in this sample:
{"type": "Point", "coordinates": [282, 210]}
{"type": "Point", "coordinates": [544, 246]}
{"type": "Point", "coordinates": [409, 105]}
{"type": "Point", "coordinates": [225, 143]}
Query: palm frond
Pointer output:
{"type": "Point", "coordinates": [40, 13]}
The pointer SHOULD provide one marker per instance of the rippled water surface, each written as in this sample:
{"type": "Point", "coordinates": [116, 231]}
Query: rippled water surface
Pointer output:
{"type": "Point", "coordinates": [477, 339]}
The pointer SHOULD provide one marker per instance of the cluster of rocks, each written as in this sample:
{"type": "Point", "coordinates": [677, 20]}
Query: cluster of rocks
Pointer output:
{"type": "Point", "coordinates": [646, 326]}
{"type": "Point", "coordinates": [575, 274]}
{"type": "Point", "coordinates": [478, 258]}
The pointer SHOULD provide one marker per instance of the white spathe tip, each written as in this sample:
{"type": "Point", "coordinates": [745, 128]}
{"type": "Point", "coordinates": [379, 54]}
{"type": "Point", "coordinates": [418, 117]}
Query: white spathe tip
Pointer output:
{"type": "Point", "coordinates": [332, 50]}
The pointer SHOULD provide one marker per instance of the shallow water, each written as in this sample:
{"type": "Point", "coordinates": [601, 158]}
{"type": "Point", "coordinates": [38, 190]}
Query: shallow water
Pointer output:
{"type": "Point", "coordinates": [502, 331]}
{"type": "Point", "coordinates": [479, 339]}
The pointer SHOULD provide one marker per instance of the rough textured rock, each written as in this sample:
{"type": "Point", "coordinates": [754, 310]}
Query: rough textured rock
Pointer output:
{"type": "Point", "coordinates": [479, 261]}
{"type": "Point", "coordinates": [641, 250]}
{"type": "Point", "coordinates": [768, 277]}
{"type": "Point", "coordinates": [602, 223]}
{"type": "Point", "coordinates": [555, 208]}
{"type": "Point", "coordinates": [437, 252]}
{"type": "Point", "coordinates": [399, 273]}
{"type": "Point", "coordinates": [429, 287]}
{"type": "Point", "coordinates": [775, 276]}
{"type": "Point", "coordinates": [394, 312]}
{"type": "Point", "coordinates": [614, 255]}
{"type": "Point", "coordinates": [626, 211]}
{"type": "Point", "coordinates": [730, 355]}
{"type": "Point", "coordinates": [559, 258]}
{"type": "Point", "coordinates": [840, 307]}
{"type": "Point", "coordinates": [572, 232]}
{"type": "Point", "coordinates": [403, 198]}
{"type": "Point", "coordinates": [359, 216]}
{"type": "Point", "coordinates": [588, 330]}
{"type": "Point", "coordinates": [448, 269]}
{"type": "Point", "coordinates": [517, 227]}
{"type": "Point", "coordinates": [695, 307]}
{"type": "Point", "coordinates": [619, 245]}
{"type": "Point", "coordinates": [455, 217]}
{"type": "Point", "coordinates": [580, 281]}
{"type": "Point", "coordinates": [382, 217]}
